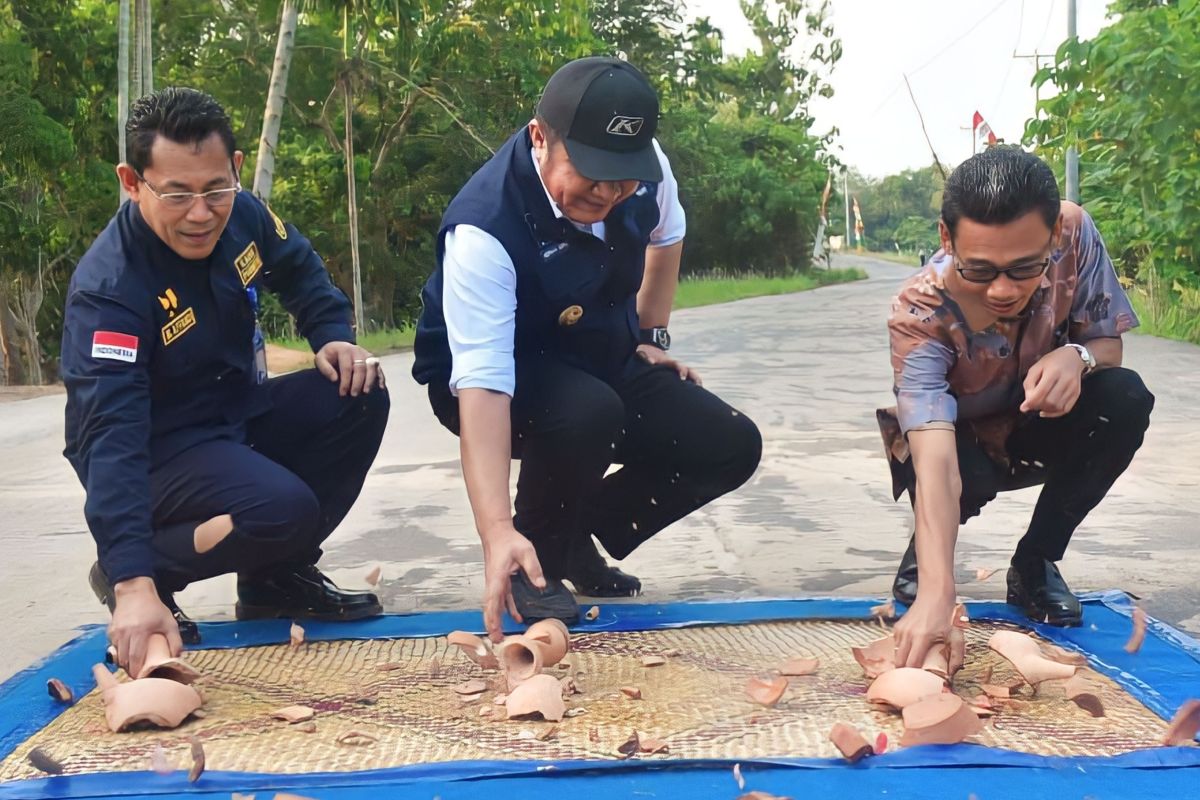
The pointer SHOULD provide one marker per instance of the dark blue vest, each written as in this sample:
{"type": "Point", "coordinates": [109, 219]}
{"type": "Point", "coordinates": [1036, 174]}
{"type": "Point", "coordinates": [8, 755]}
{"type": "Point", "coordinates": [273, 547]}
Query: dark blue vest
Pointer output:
{"type": "Point", "coordinates": [576, 294]}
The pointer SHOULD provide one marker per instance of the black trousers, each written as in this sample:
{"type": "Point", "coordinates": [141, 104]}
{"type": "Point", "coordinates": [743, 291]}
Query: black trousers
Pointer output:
{"type": "Point", "coordinates": [1077, 458]}
{"type": "Point", "coordinates": [680, 446]}
{"type": "Point", "coordinates": [287, 486]}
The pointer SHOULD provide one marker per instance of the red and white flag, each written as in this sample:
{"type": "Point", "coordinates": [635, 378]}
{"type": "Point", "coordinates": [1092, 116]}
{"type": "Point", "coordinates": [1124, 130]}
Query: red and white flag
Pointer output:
{"type": "Point", "coordinates": [984, 138]}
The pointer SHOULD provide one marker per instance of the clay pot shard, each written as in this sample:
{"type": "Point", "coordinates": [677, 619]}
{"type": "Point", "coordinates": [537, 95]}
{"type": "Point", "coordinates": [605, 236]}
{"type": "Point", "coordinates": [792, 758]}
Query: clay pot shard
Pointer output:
{"type": "Point", "coordinates": [996, 692]}
{"type": "Point", "coordinates": [539, 694]}
{"type": "Point", "coordinates": [476, 649]}
{"type": "Point", "coordinates": [881, 743]}
{"type": "Point", "coordinates": [937, 660]}
{"type": "Point", "coordinates": [653, 661]}
{"type": "Point", "coordinates": [356, 738]}
{"type": "Point", "coordinates": [795, 667]}
{"type": "Point", "coordinates": [474, 686]}
{"type": "Point", "coordinates": [293, 714]}
{"type": "Point", "coordinates": [850, 742]}
{"type": "Point", "coordinates": [1063, 655]}
{"type": "Point", "coordinates": [939, 719]}
{"type": "Point", "coordinates": [197, 760]}
{"type": "Point", "coordinates": [373, 575]}
{"type": "Point", "coordinates": [903, 687]}
{"type": "Point", "coordinates": [876, 657]}
{"type": "Point", "coordinates": [652, 746]}
{"type": "Point", "coordinates": [1080, 691]}
{"type": "Point", "coordinates": [766, 693]}
{"type": "Point", "coordinates": [1024, 654]}
{"type": "Point", "coordinates": [521, 658]}
{"type": "Point", "coordinates": [632, 692]}
{"type": "Point", "coordinates": [555, 638]}
{"type": "Point", "coordinates": [630, 746]}
{"type": "Point", "coordinates": [59, 691]}
{"type": "Point", "coordinates": [160, 664]}
{"type": "Point", "coordinates": [757, 795]}
{"type": "Point", "coordinates": [43, 761]}
{"type": "Point", "coordinates": [156, 701]}
{"type": "Point", "coordinates": [592, 613]}
{"type": "Point", "coordinates": [1138, 635]}
{"type": "Point", "coordinates": [296, 634]}
{"type": "Point", "coordinates": [1184, 725]}
{"type": "Point", "coordinates": [982, 574]}
{"type": "Point", "coordinates": [884, 610]}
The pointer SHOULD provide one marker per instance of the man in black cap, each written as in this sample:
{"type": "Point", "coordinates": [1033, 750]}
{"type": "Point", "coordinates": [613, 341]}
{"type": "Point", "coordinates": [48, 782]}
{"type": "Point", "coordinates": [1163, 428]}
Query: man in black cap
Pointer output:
{"type": "Point", "coordinates": [544, 338]}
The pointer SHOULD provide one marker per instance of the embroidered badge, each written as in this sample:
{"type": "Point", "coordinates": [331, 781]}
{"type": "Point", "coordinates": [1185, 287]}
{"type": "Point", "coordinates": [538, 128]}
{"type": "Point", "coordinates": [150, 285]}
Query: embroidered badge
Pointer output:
{"type": "Point", "coordinates": [570, 315]}
{"type": "Point", "coordinates": [280, 231]}
{"type": "Point", "coordinates": [248, 264]}
{"type": "Point", "coordinates": [178, 326]}
{"type": "Point", "coordinates": [114, 346]}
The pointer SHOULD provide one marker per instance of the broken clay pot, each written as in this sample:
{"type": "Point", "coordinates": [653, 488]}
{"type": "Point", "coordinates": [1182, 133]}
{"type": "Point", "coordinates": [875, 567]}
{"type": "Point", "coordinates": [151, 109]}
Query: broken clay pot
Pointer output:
{"type": "Point", "coordinates": [766, 693]}
{"type": "Point", "coordinates": [939, 719]}
{"type": "Point", "coordinates": [1080, 691]}
{"type": "Point", "coordinates": [476, 648]}
{"type": "Point", "coordinates": [160, 664]}
{"type": "Point", "coordinates": [1184, 725]}
{"type": "Point", "coordinates": [1138, 634]}
{"type": "Point", "coordinates": [521, 658]}
{"type": "Point", "coordinates": [876, 657]}
{"type": "Point", "coordinates": [850, 743]}
{"type": "Point", "coordinates": [539, 694]}
{"type": "Point", "coordinates": [554, 635]}
{"type": "Point", "coordinates": [158, 701]}
{"type": "Point", "coordinates": [904, 686]}
{"type": "Point", "coordinates": [1023, 651]}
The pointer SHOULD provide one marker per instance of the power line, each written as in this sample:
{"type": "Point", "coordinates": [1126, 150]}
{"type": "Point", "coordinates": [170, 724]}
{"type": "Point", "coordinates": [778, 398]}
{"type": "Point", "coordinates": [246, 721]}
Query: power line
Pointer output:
{"type": "Point", "coordinates": [958, 38]}
{"type": "Point", "coordinates": [1008, 69]}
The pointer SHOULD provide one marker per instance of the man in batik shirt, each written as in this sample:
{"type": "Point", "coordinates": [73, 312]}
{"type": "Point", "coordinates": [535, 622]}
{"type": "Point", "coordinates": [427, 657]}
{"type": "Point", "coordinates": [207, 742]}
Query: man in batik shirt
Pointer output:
{"type": "Point", "coordinates": [1006, 349]}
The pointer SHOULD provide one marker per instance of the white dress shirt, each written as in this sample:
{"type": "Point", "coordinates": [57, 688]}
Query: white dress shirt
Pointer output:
{"type": "Point", "coordinates": [479, 290]}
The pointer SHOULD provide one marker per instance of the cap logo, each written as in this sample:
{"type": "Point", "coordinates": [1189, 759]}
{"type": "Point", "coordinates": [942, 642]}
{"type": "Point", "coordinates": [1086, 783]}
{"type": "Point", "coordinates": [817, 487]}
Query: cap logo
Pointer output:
{"type": "Point", "coordinates": [625, 126]}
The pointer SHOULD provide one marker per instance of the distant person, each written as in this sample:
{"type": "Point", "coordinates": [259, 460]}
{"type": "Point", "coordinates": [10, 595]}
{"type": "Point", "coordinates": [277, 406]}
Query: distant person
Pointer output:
{"type": "Point", "coordinates": [195, 464]}
{"type": "Point", "coordinates": [1007, 357]}
{"type": "Point", "coordinates": [544, 337]}
{"type": "Point", "coordinates": [921, 256]}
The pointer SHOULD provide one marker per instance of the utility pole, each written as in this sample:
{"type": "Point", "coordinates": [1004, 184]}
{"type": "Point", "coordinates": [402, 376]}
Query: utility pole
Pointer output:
{"type": "Point", "coordinates": [1037, 65]}
{"type": "Point", "coordinates": [846, 199]}
{"type": "Point", "coordinates": [1072, 152]}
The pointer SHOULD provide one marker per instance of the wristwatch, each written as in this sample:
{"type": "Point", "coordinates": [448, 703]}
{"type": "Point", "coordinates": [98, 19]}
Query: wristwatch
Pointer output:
{"type": "Point", "coordinates": [655, 336]}
{"type": "Point", "coordinates": [1089, 361]}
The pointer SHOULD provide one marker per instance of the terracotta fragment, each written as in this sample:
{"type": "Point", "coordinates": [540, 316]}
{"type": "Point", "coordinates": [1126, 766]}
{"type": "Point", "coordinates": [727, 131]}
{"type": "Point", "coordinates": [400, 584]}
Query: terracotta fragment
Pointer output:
{"type": "Point", "coordinates": [1184, 725]}
{"type": "Point", "coordinates": [670, 653]}
{"type": "Point", "coordinates": [903, 686]}
{"type": "Point", "coordinates": [1139, 631]}
{"type": "Point", "coordinates": [473, 686]}
{"type": "Point", "coordinates": [197, 760]}
{"type": "Point", "coordinates": [293, 714]}
{"type": "Point", "coordinates": [757, 795]}
{"type": "Point", "coordinates": [997, 692]}
{"type": "Point", "coordinates": [306, 727]}
{"type": "Point", "coordinates": [540, 694]}
{"type": "Point", "coordinates": [849, 742]}
{"type": "Point", "coordinates": [1024, 654]}
{"type": "Point", "coordinates": [59, 691]}
{"type": "Point", "coordinates": [521, 658]}
{"type": "Point", "coordinates": [477, 649]}
{"type": "Point", "coordinates": [881, 743]}
{"type": "Point", "coordinates": [632, 692]}
{"type": "Point", "coordinates": [297, 635]}
{"type": "Point", "coordinates": [876, 657]}
{"type": "Point", "coordinates": [469, 698]}
{"type": "Point", "coordinates": [373, 575]}
{"type": "Point", "coordinates": [884, 610]}
{"type": "Point", "coordinates": [43, 761]}
{"type": "Point", "coordinates": [653, 661]}
{"type": "Point", "coordinates": [159, 763]}
{"type": "Point", "coordinates": [356, 738]}
{"type": "Point", "coordinates": [795, 667]}
{"type": "Point", "coordinates": [569, 687]}
{"type": "Point", "coordinates": [160, 664]}
{"type": "Point", "coordinates": [1063, 655]}
{"type": "Point", "coordinates": [555, 638]}
{"type": "Point", "coordinates": [939, 719]}
{"type": "Point", "coordinates": [592, 613]}
{"type": "Point", "coordinates": [630, 746]}
{"type": "Point", "coordinates": [766, 693]}
{"type": "Point", "coordinates": [652, 746]}
{"type": "Point", "coordinates": [157, 701]}
{"type": "Point", "coordinates": [937, 660]}
{"type": "Point", "coordinates": [594, 736]}
{"type": "Point", "coordinates": [1082, 693]}
{"type": "Point", "coordinates": [983, 574]}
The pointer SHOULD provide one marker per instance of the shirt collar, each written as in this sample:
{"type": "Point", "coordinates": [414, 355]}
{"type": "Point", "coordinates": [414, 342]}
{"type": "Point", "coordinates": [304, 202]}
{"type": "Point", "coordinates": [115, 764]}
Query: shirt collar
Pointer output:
{"type": "Point", "coordinates": [558, 214]}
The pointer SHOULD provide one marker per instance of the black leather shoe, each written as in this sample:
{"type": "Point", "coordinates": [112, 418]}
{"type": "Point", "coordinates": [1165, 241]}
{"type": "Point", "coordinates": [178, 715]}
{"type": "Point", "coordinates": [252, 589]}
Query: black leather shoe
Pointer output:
{"type": "Point", "coordinates": [904, 588]}
{"type": "Point", "coordinates": [555, 602]}
{"type": "Point", "coordinates": [1037, 587]}
{"type": "Point", "coordinates": [593, 577]}
{"type": "Point", "coordinates": [189, 632]}
{"type": "Point", "coordinates": [301, 593]}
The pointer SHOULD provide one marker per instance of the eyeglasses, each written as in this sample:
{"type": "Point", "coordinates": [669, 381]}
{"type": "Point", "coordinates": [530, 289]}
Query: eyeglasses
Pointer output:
{"type": "Point", "coordinates": [986, 274]}
{"type": "Point", "coordinates": [217, 198]}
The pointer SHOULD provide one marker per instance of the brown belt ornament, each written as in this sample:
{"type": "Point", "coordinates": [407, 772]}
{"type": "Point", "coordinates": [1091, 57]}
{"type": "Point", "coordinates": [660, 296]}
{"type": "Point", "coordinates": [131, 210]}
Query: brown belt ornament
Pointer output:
{"type": "Point", "coordinates": [570, 315]}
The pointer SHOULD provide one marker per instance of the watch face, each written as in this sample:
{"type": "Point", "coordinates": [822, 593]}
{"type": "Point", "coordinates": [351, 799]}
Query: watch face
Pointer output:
{"type": "Point", "coordinates": [662, 338]}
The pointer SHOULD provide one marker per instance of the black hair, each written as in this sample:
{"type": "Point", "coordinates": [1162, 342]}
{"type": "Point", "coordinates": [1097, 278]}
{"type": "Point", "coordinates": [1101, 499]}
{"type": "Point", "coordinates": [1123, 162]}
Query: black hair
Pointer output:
{"type": "Point", "coordinates": [186, 116]}
{"type": "Point", "coordinates": [999, 185]}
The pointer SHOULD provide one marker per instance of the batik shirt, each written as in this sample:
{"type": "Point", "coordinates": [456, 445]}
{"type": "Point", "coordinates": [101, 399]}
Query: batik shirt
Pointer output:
{"type": "Point", "coordinates": [947, 373]}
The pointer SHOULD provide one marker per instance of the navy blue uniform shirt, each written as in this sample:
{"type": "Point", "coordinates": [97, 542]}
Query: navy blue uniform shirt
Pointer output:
{"type": "Point", "coordinates": [158, 356]}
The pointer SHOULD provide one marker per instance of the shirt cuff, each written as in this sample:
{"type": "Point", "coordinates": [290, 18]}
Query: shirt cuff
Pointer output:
{"type": "Point", "coordinates": [916, 412]}
{"type": "Point", "coordinates": [127, 561]}
{"type": "Point", "coordinates": [483, 369]}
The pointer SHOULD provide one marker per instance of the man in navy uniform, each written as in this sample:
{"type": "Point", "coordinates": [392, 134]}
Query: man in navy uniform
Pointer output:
{"type": "Point", "coordinates": [544, 337]}
{"type": "Point", "coordinates": [194, 464]}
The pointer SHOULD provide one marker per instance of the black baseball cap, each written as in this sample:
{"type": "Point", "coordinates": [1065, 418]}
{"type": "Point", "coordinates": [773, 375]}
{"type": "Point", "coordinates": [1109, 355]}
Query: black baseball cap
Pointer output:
{"type": "Point", "coordinates": [606, 112]}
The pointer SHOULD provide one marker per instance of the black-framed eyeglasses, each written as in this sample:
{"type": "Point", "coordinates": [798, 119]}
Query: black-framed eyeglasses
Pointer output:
{"type": "Point", "coordinates": [216, 198]}
{"type": "Point", "coordinates": [974, 273]}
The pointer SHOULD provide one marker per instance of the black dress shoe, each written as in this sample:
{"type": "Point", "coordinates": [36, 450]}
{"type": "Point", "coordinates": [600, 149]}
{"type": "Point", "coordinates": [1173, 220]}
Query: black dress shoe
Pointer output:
{"type": "Point", "coordinates": [301, 592]}
{"type": "Point", "coordinates": [904, 588]}
{"type": "Point", "coordinates": [555, 602]}
{"type": "Point", "coordinates": [189, 632]}
{"type": "Point", "coordinates": [1037, 587]}
{"type": "Point", "coordinates": [593, 577]}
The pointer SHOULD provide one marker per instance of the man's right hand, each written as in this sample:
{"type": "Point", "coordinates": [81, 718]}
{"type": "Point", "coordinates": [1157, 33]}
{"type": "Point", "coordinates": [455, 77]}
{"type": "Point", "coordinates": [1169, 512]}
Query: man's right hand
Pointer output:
{"type": "Point", "coordinates": [139, 613]}
{"type": "Point", "coordinates": [924, 626]}
{"type": "Point", "coordinates": [505, 551]}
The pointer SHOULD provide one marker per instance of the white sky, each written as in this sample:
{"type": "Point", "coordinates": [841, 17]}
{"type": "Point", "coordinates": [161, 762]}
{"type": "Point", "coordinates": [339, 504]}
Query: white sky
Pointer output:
{"type": "Point", "coordinates": [958, 57]}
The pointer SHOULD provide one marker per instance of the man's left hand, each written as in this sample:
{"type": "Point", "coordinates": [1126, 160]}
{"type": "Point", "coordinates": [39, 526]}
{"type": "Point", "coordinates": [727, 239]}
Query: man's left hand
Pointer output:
{"type": "Point", "coordinates": [656, 358]}
{"type": "Point", "coordinates": [354, 368]}
{"type": "Point", "coordinates": [1054, 382]}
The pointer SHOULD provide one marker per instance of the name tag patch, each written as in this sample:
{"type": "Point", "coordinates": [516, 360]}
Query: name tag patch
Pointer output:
{"type": "Point", "coordinates": [248, 264]}
{"type": "Point", "coordinates": [114, 346]}
{"type": "Point", "coordinates": [178, 326]}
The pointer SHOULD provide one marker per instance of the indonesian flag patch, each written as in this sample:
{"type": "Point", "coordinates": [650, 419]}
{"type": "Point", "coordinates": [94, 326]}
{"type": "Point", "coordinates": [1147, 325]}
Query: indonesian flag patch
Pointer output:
{"type": "Point", "coordinates": [114, 346]}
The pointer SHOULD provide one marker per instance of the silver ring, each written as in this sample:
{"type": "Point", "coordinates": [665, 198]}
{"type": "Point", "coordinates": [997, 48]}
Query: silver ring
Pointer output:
{"type": "Point", "coordinates": [358, 361]}
{"type": "Point", "coordinates": [373, 361]}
